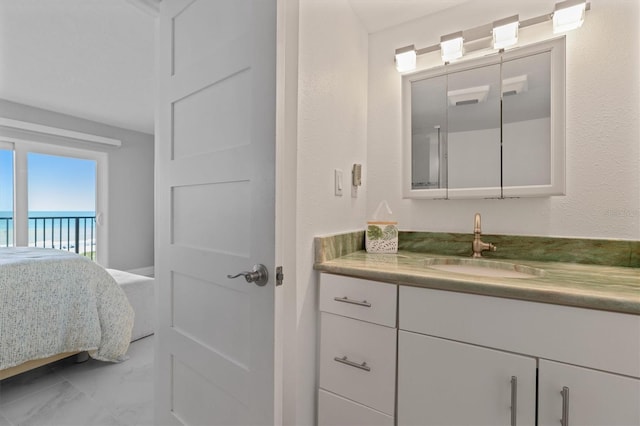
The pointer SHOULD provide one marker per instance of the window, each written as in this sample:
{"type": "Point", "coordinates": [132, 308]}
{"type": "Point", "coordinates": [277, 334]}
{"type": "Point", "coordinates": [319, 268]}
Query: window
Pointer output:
{"type": "Point", "coordinates": [6, 195]}
{"type": "Point", "coordinates": [53, 197]}
{"type": "Point", "coordinates": [62, 203]}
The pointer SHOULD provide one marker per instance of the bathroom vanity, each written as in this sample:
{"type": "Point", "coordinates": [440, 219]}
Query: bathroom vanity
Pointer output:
{"type": "Point", "coordinates": [357, 351]}
{"type": "Point", "coordinates": [407, 343]}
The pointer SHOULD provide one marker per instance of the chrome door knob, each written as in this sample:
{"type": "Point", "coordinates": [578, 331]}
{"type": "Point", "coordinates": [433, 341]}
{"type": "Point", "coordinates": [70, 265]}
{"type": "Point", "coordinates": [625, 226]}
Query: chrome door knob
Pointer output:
{"type": "Point", "coordinates": [259, 275]}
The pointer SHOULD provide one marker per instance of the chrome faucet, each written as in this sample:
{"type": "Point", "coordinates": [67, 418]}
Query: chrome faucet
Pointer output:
{"type": "Point", "coordinates": [478, 246]}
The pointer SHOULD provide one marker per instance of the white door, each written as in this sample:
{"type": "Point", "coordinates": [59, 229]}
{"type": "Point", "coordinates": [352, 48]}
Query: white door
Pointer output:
{"type": "Point", "coordinates": [215, 191]}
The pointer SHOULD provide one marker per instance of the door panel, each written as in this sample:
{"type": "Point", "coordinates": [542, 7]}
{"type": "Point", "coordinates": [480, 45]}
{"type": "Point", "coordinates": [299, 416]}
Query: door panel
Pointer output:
{"type": "Point", "coordinates": [214, 118]}
{"type": "Point", "coordinates": [198, 399]}
{"type": "Point", "coordinates": [215, 197]}
{"type": "Point", "coordinates": [222, 305]}
{"type": "Point", "coordinates": [223, 209]}
{"type": "Point", "coordinates": [205, 26]}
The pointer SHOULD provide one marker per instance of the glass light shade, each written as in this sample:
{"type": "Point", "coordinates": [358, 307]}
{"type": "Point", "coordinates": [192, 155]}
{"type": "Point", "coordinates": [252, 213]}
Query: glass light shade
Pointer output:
{"type": "Point", "coordinates": [406, 61]}
{"type": "Point", "coordinates": [451, 49]}
{"type": "Point", "coordinates": [505, 35]}
{"type": "Point", "coordinates": [569, 18]}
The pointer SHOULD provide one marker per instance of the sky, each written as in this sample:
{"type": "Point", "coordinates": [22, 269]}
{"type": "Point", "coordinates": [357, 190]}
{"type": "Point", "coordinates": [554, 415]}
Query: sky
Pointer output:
{"type": "Point", "coordinates": [6, 180]}
{"type": "Point", "coordinates": [55, 183]}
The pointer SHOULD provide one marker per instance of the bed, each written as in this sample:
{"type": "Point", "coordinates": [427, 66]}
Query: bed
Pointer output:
{"type": "Point", "coordinates": [53, 304]}
{"type": "Point", "coordinates": [141, 294]}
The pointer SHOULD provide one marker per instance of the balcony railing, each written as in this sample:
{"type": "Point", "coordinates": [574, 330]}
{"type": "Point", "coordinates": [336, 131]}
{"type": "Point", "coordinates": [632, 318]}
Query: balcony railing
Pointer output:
{"type": "Point", "coordinates": [71, 233]}
{"type": "Point", "coordinates": [6, 231]}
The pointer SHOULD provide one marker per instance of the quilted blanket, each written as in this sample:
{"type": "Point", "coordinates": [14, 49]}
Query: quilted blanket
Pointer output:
{"type": "Point", "coordinates": [52, 301]}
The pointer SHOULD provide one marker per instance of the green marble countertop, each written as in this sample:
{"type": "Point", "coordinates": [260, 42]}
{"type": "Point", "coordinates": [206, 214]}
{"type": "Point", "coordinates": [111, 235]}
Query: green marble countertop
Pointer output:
{"type": "Point", "coordinates": [609, 288]}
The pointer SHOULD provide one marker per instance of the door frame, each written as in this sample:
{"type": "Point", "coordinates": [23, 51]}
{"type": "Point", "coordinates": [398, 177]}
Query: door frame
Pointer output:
{"type": "Point", "coordinates": [286, 312]}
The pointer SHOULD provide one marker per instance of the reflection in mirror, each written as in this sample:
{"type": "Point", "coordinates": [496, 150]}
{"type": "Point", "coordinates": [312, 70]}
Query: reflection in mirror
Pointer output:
{"type": "Point", "coordinates": [461, 140]}
{"type": "Point", "coordinates": [526, 116]}
{"type": "Point", "coordinates": [429, 133]}
{"type": "Point", "coordinates": [474, 128]}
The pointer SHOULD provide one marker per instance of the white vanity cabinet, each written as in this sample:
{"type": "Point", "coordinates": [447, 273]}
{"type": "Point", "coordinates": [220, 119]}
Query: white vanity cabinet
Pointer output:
{"type": "Point", "coordinates": [457, 353]}
{"type": "Point", "coordinates": [442, 382]}
{"type": "Point", "coordinates": [590, 397]}
{"type": "Point", "coordinates": [358, 341]}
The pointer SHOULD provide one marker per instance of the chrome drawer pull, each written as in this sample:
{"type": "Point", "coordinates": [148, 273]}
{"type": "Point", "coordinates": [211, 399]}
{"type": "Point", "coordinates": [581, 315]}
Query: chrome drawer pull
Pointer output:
{"type": "Point", "coordinates": [514, 400]}
{"type": "Point", "coordinates": [346, 361]}
{"type": "Point", "coordinates": [565, 406]}
{"type": "Point", "coordinates": [353, 302]}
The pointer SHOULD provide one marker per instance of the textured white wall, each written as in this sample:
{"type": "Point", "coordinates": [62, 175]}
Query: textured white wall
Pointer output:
{"type": "Point", "coordinates": [603, 148]}
{"type": "Point", "coordinates": [332, 133]}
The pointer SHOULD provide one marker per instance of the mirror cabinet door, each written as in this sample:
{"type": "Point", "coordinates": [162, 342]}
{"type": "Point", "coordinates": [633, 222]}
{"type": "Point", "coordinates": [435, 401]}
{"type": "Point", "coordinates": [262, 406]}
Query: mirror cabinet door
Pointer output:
{"type": "Point", "coordinates": [473, 109]}
{"type": "Point", "coordinates": [428, 133]}
{"type": "Point", "coordinates": [526, 121]}
{"type": "Point", "coordinates": [490, 127]}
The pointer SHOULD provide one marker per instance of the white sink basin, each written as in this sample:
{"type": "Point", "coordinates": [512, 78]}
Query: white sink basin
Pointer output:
{"type": "Point", "coordinates": [482, 267]}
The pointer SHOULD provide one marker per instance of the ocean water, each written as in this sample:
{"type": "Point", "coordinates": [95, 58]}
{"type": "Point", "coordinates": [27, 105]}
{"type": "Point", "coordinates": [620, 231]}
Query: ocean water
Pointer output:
{"type": "Point", "coordinates": [54, 229]}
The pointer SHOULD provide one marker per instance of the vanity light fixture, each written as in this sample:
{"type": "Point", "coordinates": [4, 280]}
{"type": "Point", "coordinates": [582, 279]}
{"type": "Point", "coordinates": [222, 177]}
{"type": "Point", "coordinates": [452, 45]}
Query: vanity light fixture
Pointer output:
{"type": "Point", "coordinates": [505, 32]}
{"type": "Point", "coordinates": [451, 46]}
{"type": "Point", "coordinates": [406, 58]}
{"type": "Point", "coordinates": [568, 15]}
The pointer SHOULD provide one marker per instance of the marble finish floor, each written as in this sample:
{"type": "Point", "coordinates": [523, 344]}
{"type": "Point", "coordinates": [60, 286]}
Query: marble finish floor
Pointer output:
{"type": "Point", "coordinates": [88, 394]}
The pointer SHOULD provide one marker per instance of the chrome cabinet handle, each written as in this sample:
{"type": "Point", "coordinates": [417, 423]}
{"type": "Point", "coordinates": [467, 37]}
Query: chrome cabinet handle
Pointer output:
{"type": "Point", "coordinates": [565, 406]}
{"type": "Point", "coordinates": [514, 400]}
{"type": "Point", "coordinates": [259, 275]}
{"type": "Point", "coordinates": [345, 360]}
{"type": "Point", "coordinates": [353, 302]}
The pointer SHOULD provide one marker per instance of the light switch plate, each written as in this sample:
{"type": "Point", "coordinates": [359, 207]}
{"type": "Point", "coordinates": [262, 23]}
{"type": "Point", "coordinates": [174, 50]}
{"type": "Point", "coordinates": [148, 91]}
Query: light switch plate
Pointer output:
{"type": "Point", "coordinates": [338, 182]}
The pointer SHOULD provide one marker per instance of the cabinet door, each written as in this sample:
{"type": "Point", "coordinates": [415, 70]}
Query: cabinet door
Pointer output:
{"type": "Point", "coordinates": [441, 382]}
{"type": "Point", "coordinates": [594, 397]}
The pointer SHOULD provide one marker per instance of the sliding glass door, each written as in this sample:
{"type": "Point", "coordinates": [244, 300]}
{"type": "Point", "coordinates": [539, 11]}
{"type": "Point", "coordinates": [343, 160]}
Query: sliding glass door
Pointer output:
{"type": "Point", "coordinates": [53, 197]}
{"type": "Point", "coordinates": [6, 195]}
{"type": "Point", "coordinates": [62, 203]}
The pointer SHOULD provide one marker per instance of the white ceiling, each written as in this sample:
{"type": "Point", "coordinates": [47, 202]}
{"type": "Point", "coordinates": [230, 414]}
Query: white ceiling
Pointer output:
{"type": "Point", "coordinates": [94, 59]}
{"type": "Point", "coordinates": [377, 15]}
{"type": "Point", "coordinates": [88, 58]}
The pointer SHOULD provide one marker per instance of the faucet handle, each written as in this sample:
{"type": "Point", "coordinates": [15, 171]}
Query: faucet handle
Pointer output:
{"type": "Point", "coordinates": [476, 224]}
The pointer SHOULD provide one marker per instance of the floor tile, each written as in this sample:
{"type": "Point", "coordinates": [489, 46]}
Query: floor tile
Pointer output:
{"type": "Point", "coordinates": [90, 393]}
{"type": "Point", "coordinates": [60, 404]}
{"type": "Point", "coordinates": [4, 421]}
{"type": "Point", "coordinates": [23, 384]}
{"type": "Point", "coordinates": [125, 389]}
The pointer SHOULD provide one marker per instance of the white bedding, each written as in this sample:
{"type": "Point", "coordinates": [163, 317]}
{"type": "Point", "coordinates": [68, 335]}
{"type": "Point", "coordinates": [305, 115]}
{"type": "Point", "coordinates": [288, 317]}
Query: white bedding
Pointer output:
{"type": "Point", "coordinates": [52, 301]}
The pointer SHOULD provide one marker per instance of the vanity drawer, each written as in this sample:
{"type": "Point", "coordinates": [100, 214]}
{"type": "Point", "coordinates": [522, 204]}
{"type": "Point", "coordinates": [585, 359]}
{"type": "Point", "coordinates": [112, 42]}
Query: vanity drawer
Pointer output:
{"type": "Point", "coordinates": [333, 410]}
{"type": "Point", "coordinates": [346, 345]}
{"type": "Point", "coordinates": [365, 300]}
{"type": "Point", "coordinates": [607, 341]}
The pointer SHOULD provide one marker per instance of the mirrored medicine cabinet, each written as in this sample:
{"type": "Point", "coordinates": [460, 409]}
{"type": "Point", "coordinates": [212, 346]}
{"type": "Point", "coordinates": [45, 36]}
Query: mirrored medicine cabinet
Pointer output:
{"type": "Point", "coordinates": [490, 127]}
